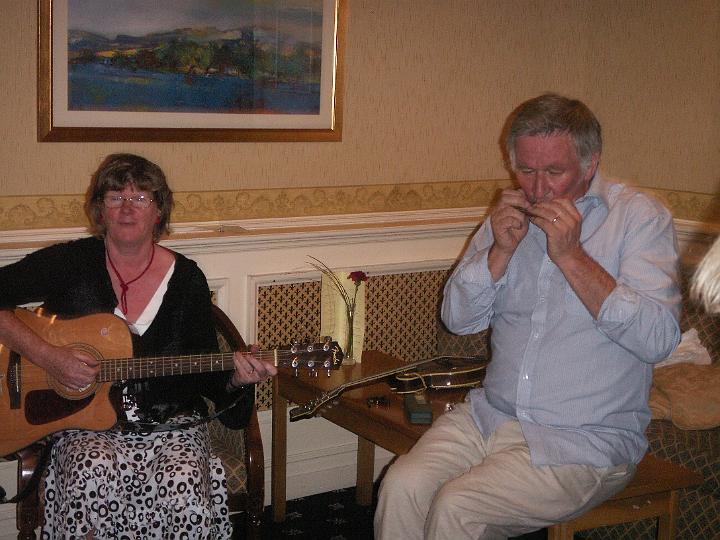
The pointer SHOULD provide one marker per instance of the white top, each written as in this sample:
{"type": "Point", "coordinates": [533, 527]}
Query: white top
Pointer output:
{"type": "Point", "coordinates": [143, 322]}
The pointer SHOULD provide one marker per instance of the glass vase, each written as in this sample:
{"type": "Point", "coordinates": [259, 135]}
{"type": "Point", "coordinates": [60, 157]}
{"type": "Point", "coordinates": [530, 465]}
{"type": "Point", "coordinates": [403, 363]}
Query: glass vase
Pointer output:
{"type": "Point", "coordinates": [349, 359]}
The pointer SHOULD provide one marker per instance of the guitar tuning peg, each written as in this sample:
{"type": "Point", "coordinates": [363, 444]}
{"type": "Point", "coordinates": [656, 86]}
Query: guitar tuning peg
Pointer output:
{"type": "Point", "coordinates": [328, 372]}
{"type": "Point", "coordinates": [294, 346]}
{"type": "Point", "coordinates": [310, 347]}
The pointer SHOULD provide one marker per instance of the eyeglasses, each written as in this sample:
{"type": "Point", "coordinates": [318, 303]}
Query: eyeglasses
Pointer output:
{"type": "Point", "coordinates": [136, 201]}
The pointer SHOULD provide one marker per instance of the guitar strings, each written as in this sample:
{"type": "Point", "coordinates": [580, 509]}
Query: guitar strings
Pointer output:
{"type": "Point", "coordinates": [185, 364]}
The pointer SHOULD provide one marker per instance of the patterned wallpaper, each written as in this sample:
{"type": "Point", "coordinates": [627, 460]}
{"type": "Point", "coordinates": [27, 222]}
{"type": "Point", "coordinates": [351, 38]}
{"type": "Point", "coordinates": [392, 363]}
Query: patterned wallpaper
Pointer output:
{"type": "Point", "coordinates": [30, 212]}
{"type": "Point", "coordinates": [401, 316]}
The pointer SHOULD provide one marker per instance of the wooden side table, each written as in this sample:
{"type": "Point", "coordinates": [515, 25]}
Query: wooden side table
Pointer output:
{"type": "Point", "coordinates": [385, 426]}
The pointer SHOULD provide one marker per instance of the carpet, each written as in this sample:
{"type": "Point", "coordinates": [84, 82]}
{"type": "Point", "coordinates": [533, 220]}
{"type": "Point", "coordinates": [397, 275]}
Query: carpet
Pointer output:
{"type": "Point", "coordinates": [333, 515]}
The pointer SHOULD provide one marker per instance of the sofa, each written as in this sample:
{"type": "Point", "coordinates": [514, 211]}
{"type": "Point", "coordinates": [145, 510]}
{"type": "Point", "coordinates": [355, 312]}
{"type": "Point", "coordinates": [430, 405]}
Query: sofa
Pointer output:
{"type": "Point", "coordinates": [685, 401]}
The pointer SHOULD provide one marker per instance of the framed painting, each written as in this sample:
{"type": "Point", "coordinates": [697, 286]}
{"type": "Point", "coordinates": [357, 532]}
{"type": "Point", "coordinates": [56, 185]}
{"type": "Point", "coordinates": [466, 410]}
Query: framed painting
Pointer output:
{"type": "Point", "coordinates": [190, 70]}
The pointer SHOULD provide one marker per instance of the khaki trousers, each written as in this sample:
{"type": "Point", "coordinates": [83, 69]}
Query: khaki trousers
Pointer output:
{"type": "Point", "coordinates": [455, 485]}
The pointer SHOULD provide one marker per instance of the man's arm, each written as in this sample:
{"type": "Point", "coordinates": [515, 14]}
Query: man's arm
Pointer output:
{"type": "Point", "coordinates": [590, 281]}
{"type": "Point", "coordinates": [470, 291]}
{"type": "Point", "coordinates": [639, 308]}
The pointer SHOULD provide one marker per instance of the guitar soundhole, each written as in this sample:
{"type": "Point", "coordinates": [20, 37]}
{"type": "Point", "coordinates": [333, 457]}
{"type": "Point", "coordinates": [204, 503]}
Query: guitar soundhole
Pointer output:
{"type": "Point", "coordinates": [43, 406]}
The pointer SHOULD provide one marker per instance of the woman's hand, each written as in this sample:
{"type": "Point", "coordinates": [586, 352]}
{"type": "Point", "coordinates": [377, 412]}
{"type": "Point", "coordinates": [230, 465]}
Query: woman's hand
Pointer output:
{"type": "Point", "coordinates": [72, 368]}
{"type": "Point", "coordinates": [250, 370]}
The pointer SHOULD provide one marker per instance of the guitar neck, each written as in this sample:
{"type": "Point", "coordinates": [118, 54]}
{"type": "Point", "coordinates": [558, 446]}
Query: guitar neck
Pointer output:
{"type": "Point", "coordinates": [116, 369]}
{"type": "Point", "coordinates": [309, 408]}
{"type": "Point", "coordinates": [385, 374]}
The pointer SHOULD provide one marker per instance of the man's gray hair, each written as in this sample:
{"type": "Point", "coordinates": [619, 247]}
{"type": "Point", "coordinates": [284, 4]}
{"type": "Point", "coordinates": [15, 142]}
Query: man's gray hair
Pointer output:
{"type": "Point", "coordinates": [552, 114]}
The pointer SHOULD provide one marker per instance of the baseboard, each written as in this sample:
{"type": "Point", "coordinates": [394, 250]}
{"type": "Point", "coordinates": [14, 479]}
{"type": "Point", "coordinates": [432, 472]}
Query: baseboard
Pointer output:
{"type": "Point", "coordinates": [8, 530]}
{"type": "Point", "coordinates": [8, 480]}
{"type": "Point", "coordinates": [320, 457]}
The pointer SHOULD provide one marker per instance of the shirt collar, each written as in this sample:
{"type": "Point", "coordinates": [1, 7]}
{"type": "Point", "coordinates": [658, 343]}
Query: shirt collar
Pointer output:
{"type": "Point", "coordinates": [598, 193]}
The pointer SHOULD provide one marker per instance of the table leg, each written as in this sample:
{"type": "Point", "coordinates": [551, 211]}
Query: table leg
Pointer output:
{"type": "Point", "coordinates": [365, 472]}
{"type": "Point", "coordinates": [278, 475]}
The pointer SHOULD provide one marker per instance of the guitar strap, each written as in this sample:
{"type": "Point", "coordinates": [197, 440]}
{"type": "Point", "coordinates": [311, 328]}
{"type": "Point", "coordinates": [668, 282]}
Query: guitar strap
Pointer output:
{"type": "Point", "coordinates": [149, 427]}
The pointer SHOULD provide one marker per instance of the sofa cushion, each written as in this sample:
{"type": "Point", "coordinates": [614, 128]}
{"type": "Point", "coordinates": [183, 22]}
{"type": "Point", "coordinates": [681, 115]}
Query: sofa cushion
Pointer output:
{"type": "Point", "coordinates": [687, 395]}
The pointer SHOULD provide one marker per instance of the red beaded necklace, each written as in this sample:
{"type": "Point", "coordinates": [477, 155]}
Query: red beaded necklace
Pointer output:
{"type": "Point", "coordinates": [124, 285]}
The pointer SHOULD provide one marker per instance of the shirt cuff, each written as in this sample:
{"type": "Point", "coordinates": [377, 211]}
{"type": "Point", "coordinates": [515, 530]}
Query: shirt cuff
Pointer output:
{"type": "Point", "coordinates": [619, 307]}
{"type": "Point", "coordinates": [475, 270]}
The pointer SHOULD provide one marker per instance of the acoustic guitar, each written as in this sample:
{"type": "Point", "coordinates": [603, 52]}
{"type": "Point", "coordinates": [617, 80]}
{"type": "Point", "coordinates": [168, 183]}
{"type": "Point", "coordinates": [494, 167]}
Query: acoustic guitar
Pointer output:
{"type": "Point", "coordinates": [408, 371]}
{"type": "Point", "coordinates": [33, 404]}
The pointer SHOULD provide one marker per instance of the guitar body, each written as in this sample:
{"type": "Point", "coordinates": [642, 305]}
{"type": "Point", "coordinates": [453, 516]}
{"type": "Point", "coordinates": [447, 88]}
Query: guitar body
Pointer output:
{"type": "Point", "coordinates": [443, 372]}
{"type": "Point", "coordinates": [34, 405]}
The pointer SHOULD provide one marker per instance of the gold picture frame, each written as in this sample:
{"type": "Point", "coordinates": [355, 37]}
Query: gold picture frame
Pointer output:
{"type": "Point", "coordinates": [60, 119]}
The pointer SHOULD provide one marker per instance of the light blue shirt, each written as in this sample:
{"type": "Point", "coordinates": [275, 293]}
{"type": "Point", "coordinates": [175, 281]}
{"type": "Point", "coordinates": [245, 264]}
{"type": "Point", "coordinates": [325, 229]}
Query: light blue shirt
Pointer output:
{"type": "Point", "coordinates": [578, 386]}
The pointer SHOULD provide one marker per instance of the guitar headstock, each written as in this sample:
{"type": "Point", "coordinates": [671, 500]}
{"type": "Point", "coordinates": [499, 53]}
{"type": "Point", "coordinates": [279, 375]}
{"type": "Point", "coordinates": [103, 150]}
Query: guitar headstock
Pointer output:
{"type": "Point", "coordinates": [310, 408]}
{"type": "Point", "coordinates": [326, 355]}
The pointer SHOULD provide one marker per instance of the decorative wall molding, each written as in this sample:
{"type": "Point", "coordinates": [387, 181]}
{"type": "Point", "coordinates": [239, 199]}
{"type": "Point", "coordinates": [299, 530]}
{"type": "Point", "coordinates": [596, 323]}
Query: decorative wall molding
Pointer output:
{"type": "Point", "coordinates": [58, 211]}
{"type": "Point", "coordinates": [195, 238]}
{"type": "Point", "coordinates": [37, 212]}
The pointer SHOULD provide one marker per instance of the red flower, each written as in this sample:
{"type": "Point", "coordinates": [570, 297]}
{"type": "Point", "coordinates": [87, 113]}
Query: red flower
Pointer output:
{"type": "Point", "coordinates": [358, 277]}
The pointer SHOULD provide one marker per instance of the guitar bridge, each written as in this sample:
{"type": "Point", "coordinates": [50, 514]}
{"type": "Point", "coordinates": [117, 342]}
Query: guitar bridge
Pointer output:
{"type": "Point", "coordinates": [14, 376]}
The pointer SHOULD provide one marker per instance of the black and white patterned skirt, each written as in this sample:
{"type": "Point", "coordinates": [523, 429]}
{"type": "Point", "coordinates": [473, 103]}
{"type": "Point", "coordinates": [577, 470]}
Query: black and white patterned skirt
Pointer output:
{"type": "Point", "coordinates": [160, 485]}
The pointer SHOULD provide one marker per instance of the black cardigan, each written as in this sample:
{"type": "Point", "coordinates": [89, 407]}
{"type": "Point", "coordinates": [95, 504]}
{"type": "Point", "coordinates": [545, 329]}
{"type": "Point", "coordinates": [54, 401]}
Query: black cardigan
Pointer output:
{"type": "Point", "coordinates": [71, 279]}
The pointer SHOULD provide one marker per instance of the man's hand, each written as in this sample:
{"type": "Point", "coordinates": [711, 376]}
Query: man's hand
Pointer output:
{"type": "Point", "coordinates": [509, 220]}
{"type": "Point", "coordinates": [562, 224]}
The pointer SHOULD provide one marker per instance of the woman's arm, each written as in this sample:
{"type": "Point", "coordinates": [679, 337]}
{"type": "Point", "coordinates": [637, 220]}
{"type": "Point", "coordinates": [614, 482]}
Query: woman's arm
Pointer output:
{"type": "Point", "coordinates": [70, 367]}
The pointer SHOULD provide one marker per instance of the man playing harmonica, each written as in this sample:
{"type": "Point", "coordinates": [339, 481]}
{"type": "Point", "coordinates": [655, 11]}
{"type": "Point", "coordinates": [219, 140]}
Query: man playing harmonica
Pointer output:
{"type": "Point", "coordinates": [577, 278]}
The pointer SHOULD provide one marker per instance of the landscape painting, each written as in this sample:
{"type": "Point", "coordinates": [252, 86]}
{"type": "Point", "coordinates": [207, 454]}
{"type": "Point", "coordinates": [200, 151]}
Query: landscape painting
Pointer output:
{"type": "Point", "coordinates": [192, 64]}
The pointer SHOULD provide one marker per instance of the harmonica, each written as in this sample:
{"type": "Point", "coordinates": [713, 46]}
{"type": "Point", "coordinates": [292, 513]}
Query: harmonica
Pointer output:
{"type": "Point", "coordinates": [524, 211]}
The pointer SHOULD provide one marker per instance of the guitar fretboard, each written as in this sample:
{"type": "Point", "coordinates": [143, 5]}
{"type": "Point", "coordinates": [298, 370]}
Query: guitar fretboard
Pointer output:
{"type": "Point", "coordinates": [162, 366]}
{"type": "Point", "coordinates": [115, 369]}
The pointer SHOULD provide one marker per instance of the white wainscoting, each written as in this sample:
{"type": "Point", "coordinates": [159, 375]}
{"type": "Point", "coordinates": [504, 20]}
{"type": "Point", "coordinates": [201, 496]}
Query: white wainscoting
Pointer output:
{"type": "Point", "coordinates": [240, 256]}
{"type": "Point", "coordinates": [7, 511]}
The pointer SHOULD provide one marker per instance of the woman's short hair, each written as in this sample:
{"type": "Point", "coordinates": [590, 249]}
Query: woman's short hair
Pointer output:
{"type": "Point", "coordinates": [119, 170]}
{"type": "Point", "coordinates": [552, 114]}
